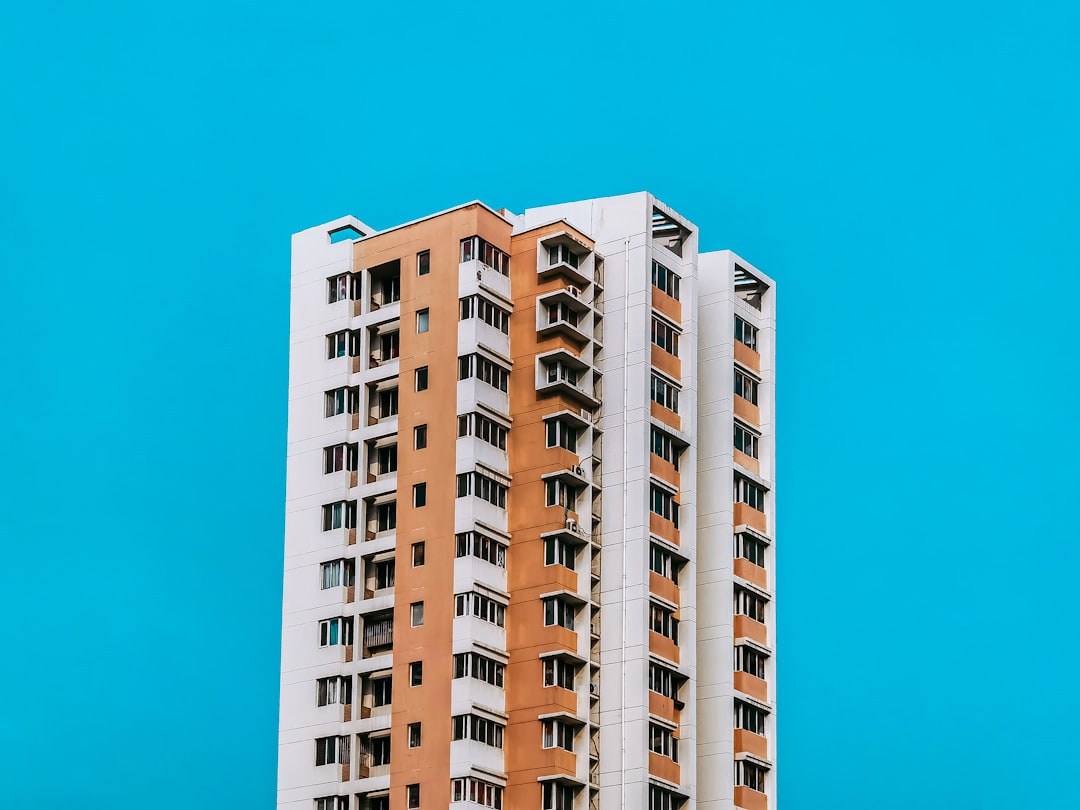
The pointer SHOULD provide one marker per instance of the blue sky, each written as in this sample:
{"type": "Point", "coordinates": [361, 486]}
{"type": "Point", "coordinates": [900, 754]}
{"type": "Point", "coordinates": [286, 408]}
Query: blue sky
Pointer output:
{"type": "Point", "coordinates": [907, 171]}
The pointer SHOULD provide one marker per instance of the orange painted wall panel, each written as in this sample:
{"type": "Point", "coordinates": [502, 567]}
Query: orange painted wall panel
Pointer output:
{"type": "Point", "coordinates": [664, 528]}
{"type": "Point", "coordinates": [663, 646]}
{"type": "Point", "coordinates": [747, 411]}
{"type": "Point", "coordinates": [664, 303]}
{"type": "Point", "coordinates": [664, 470]}
{"type": "Point", "coordinates": [747, 462]}
{"type": "Point", "coordinates": [751, 573]}
{"type": "Point", "coordinates": [745, 627]}
{"type": "Point", "coordinates": [752, 685]}
{"type": "Point", "coordinates": [662, 707]}
{"type": "Point", "coordinates": [746, 742]}
{"type": "Point", "coordinates": [750, 799]}
{"type": "Point", "coordinates": [747, 356]}
{"type": "Point", "coordinates": [663, 587]}
{"type": "Point", "coordinates": [664, 768]}
{"type": "Point", "coordinates": [661, 413]}
{"type": "Point", "coordinates": [667, 363]}
{"type": "Point", "coordinates": [746, 515]}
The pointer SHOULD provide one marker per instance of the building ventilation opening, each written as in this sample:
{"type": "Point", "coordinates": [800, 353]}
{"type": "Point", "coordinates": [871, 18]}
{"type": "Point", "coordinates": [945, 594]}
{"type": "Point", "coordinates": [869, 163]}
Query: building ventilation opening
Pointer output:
{"type": "Point", "coordinates": [748, 287]}
{"type": "Point", "coordinates": [668, 233]}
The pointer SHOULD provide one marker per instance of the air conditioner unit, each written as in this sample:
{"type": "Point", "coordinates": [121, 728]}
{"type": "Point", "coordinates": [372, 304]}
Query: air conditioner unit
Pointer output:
{"type": "Point", "coordinates": [571, 524]}
{"type": "Point", "coordinates": [594, 689]}
{"type": "Point", "coordinates": [479, 274]}
{"type": "Point", "coordinates": [586, 414]}
{"type": "Point", "coordinates": [579, 472]}
{"type": "Point", "coordinates": [574, 291]}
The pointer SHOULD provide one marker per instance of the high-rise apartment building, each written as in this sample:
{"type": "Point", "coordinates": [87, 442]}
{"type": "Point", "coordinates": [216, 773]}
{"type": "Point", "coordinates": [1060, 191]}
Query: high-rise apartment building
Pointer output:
{"type": "Point", "coordinates": [530, 516]}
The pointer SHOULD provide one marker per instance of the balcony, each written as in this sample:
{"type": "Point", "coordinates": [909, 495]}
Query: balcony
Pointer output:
{"type": "Point", "coordinates": [664, 647]}
{"type": "Point", "coordinates": [663, 768]}
{"type": "Point", "coordinates": [747, 357]}
{"type": "Point", "coordinates": [561, 255]}
{"type": "Point", "coordinates": [745, 627]}
{"type": "Point", "coordinates": [746, 742]}
{"type": "Point", "coordinates": [663, 528]}
{"type": "Point", "coordinates": [747, 411]}
{"type": "Point", "coordinates": [750, 799]}
{"type": "Point", "coordinates": [752, 685]}
{"type": "Point", "coordinates": [746, 515]}
{"type": "Point", "coordinates": [666, 362]}
{"type": "Point", "coordinates": [378, 633]}
{"type": "Point", "coordinates": [563, 373]}
{"type": "Point", "coordinates": [663, 587]}
{"type": "Point", "coordinates": [564, 313]}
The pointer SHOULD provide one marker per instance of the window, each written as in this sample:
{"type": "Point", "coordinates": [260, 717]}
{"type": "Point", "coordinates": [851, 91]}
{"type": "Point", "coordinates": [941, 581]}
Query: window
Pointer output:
{"type": "Point", "coordinates": [480, 545]}
{"type": "Point", "coordinates": [416, 673]}
{"type": "Point", "coordinates": [337, 572]}
{"type": "Point", "coordinates": [332, 803]}
{"type": "Point", "coordinates": [561, 254]}
{"type": "Point", "coordinates": [389, 286]}
{"type": "Point", "coordinates": [561, 434]}
{"type": "Point", "coordinates": [476, 791]}
{"type": "Point", "coordinates": [749, 660]}
{"type": "Point", "coordinates": [423, 263]}
{"type": "Point", "coordinates": [480, 426]}
{"type": "Point", "coordinates": [334, 690]}
{"type": "Point", "coordinates": [420, 437]}
{"type": "Point", "coordinates": [558, 734]}
{"type": "Point", "coordinates": [483, 487]}
{"type": "Point", "coordinates": [665, 336]}
{"type": "Point", "coordinates": [417, 554]}
{"type": "Point", "coordinates": [475, 665]}
{"type": "Point", "coordinates": [422, 321]}
{"type": "Point", "coordinates": [748, 547]}
{"type": "Point", "coordinates": [746, 491]}
{"type": "Point", "coordinates": [386, 459]}
{"type": "Point", "coordinates": [745, 333]}
{"type": "Point", "coordinates": [746, 386]}
{"type": "Point", "coordinates": [388, 403]}
{"type": "Point", "coordinates": [662, 620]}
{"type": "Point", "coordinates": [664, 446]}
{"type": "Point", "coordinates": [384, 574]}
{"type": "Point", "coordinates": [557, 796]}
{"type": "Point", "coordinates": [386, 516]}
{"type": "Point", "coordinates": [750, 775]}
{"type": "Point", "coordinates": [476, 249]}
{"type": "Point", "coordinates": [662, 562]}
{"type": "Point", "coordinates": [341, 514]}
{"type": "Point", "coordinates": [663, 503]}
{"type": "Point", "coordinates": [665, 394]}
{"type": "Point", "coordinates": [476, 306]}
{"type": "Point", "coordinates": [340, 400]}
{"type": "Point", "coordinates": [331, 750]}
{"type": "Point", "coordinates": [337, 345]}
{"type": "Point", "coordinates": [746, 440]}
{"type": "Point", "coordinates": [389, 346]}
{"type": "Point", "coordinates": [559, 371]}
{"type": "Point", "coordinates": [380, 750]}
{"type": "Point", "coordinates": [559, 493]}
{"type": "Point", "coordinates": [664, 799]}
{"type": "Point", "coordinates": [421, 378]}
{"type": "Point", "coordinates": [416, 610]}
{"type": "Point", "coordinates": [664, 280]}
{"type": "Point", "coordinates": [750, 718]}
{"type": "Point", "coordinates": [378, 631]}
{"type": "Point", "coordinates": [339, 457]}
{"type": "Point", "coordinates": [338, 288]}
{"type": "Point", "coordinates": [560, 311]}
{"type": "Point", "coordinates": [663, 741]}
{"type": "Point", "coordinates": [749, 604]}
{"type": "Point", "coordinates": [559, 672]}
{"type": "Point", "coordinates": [483, 607]}
{"type": "Point", "coordinates": [419, 495]}
{"type": "Point", "coordinates": [557, 551]}
{"type": "Point", "coordinates": [559, 612]}
{"type": "Point", "coordinates": [480, 729]}
{"type": "Point", "coordinates": [414, 735]}
{"type": "Point", "coordinates": [382, 691]}
{"type": "Point", "coordinates": [485, 370]}
{"type": "Point", "coordinates": [412, 796]}
{"type": "Point", "coordinates": [336, 631]}
{"type": "Point", "coordinates": [664, 681]}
